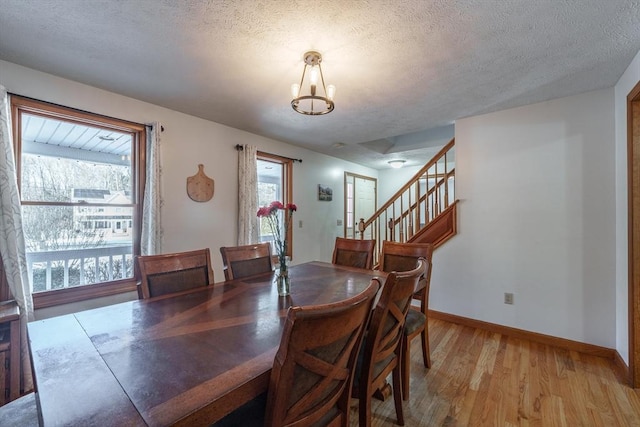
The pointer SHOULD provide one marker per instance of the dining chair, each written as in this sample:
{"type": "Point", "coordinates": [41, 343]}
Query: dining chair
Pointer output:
{"type": "Point", "coordinates": [400, 257]}
{"type": "Point", "coordinates": [246, 260]}
{"type": "Point", "coordinates": [381, 352]}
{"type": "Point", "coordinates": [354, 252]}
{"type": "Point", "coordinates": [312, 374]}
{"type": "Point", "coordinates": [171, 273]}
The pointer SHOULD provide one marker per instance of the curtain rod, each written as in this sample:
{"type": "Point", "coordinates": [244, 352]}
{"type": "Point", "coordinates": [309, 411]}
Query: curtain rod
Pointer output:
{"type": "Point", "coordinates": [241, 148]}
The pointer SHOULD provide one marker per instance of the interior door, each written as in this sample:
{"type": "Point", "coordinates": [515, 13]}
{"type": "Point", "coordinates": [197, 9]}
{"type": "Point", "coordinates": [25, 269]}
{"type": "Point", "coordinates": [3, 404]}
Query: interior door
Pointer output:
{"type": "Point", "coordinates": [360, 202]}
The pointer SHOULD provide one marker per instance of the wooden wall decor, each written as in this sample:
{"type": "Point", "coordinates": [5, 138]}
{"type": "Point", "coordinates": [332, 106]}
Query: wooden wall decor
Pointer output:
{"type": "Point", "coordinates": [200, 186]}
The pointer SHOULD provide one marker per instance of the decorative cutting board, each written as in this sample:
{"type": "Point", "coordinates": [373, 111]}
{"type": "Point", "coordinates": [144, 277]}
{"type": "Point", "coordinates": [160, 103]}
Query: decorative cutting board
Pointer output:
{"type": "Point", "coordinates": [200, 186]}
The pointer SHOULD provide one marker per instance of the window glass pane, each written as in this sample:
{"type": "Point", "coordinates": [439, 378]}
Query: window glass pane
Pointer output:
{"type": "Point", "coordinates": [77, 245]}
{"type": "Point", "coordinates": [67, 162]}
{"type": "Point", "coordinates": [76, 185]}
{"type": "Point", "coordinates": [270, 187]}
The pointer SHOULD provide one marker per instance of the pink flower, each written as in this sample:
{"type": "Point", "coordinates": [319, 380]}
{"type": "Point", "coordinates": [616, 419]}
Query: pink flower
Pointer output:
{"type": "Point", "coordinates": [264, 211]}
{"type": "Point", "coordinates": [270, 215]}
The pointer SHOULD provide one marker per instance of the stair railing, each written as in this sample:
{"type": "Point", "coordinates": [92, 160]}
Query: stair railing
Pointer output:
{"type": "Point", "coordinates": [429, 192]}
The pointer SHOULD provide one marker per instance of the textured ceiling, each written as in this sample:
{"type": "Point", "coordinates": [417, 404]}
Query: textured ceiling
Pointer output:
{"type": "Point", "coordinates": [404, 69]}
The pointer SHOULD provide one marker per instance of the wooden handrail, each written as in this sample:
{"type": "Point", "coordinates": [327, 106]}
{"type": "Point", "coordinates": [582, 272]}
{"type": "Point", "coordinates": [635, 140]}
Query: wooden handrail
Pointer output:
{"type": "Point", "coordinates": [421, 200]}
{"type": "Point", "coordinates": [415, 205]}
{"type": "Point", "coordinates": [411, 181]}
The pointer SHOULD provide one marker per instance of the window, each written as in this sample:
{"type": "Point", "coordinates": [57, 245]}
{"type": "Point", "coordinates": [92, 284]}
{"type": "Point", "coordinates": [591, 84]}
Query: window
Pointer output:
{"type": "Point", "coordinates": [275, 178]}
{"type": "Point", "coordinates": [80, 180]}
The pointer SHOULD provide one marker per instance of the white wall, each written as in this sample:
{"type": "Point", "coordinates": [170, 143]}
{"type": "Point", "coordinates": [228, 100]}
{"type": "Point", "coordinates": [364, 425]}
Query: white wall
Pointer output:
{"type": "Point", "coordinates": [391, 180]}
{"type": "Point", "coordinates": [627, 82]}
{"type": "Point", "coordinates": [188, 141]}
{"type": "Point", "coordinates": [536, 185]}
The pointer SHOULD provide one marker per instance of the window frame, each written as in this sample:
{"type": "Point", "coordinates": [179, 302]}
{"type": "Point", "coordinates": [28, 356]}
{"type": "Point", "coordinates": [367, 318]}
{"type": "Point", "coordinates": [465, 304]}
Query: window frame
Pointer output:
{"type": "Point", "coordinates": [287, 188]}
{"type": "Point", "coordinates": [19, 105]}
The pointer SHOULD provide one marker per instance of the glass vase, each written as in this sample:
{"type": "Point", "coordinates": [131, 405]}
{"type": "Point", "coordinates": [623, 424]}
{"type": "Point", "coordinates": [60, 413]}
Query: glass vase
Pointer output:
{"type": "Point", "coordinates": [283, 282]}
{"type": "Point", "coordinates": [282, 279]}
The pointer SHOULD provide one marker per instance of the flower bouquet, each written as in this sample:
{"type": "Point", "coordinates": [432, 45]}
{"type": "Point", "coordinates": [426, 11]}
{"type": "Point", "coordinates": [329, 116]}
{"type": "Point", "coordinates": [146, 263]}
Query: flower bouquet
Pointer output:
{"type": "Point", "coordinates": [271, 215]}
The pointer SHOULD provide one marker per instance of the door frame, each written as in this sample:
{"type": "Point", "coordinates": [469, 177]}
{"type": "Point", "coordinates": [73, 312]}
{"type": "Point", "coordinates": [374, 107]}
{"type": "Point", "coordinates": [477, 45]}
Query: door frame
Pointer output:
{"type": "Point", "coordinates": [355, 175]}
{"type": "Point", "coordinates": [633, 232]}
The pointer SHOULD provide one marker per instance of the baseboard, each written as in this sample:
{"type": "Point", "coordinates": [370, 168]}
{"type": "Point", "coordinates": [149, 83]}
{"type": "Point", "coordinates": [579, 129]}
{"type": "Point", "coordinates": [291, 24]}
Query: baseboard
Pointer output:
{"type": "Point", "coordinates": [532, 336]}
{"type": "Point", "coordinates": [621, 369]}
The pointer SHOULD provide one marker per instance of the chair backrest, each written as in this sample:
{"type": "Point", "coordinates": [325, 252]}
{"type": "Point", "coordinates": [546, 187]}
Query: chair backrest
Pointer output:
{"type": "Point", "coordinates": [171, 273]}
{"type": "Point", "coordinates": [403, 256]}
{"type": "Point", "coordinates": [354, 252]}
{"type": "Point", "coordinates": [387, 321]}
{"type": "Point", "coordinates": [247, 260]}
{"type": "Point", "coordinates": [313, 369]}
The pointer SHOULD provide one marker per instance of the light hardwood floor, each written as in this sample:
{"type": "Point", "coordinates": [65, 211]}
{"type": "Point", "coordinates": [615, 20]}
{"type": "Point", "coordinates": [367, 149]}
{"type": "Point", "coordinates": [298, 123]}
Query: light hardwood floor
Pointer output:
{"type": "Point", "coordinates": [481, 378]}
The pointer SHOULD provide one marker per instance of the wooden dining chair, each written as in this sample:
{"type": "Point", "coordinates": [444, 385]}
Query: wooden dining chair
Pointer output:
{"type": "Point", "coordinates": [312, 374]}
{"type": "Point", "coordinates": [354, 252]}
{"type": "Point", "coordinates": [246, 260]}
{"type": "Point", "coordinates": [382, 351]}
{"type": "Point", "coordinates": [401, 257]}
{"type": "Point", "coordinates": [171, 273]}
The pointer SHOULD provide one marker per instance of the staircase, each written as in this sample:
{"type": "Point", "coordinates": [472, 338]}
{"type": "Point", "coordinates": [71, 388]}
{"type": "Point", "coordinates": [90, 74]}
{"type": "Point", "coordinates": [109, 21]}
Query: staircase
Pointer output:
{"type": "Point", "coordinates": [423, 210]}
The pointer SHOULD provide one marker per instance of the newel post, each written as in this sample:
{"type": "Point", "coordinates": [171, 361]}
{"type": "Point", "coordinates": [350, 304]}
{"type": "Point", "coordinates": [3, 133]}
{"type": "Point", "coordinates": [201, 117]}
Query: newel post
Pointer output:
{"type": "Point", "coordinates": [361, 228]}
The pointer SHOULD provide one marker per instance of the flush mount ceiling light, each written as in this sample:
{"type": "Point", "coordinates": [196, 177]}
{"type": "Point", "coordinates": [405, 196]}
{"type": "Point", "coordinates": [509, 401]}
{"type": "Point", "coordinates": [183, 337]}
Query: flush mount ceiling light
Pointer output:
{"type": "Point", "coordinates": [396, 163]}
{"type": "Point", "coordinates": [313, 103]}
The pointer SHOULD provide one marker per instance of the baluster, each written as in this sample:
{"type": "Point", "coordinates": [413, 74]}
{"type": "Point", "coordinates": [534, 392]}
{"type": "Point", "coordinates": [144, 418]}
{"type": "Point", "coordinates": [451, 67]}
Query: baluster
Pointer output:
{"type": "Point", "coordinates": [446, 183]}
{"type": "Point", "coordinates": [48, 276]}
{"type": "Point", "coordinates": [66, 274]}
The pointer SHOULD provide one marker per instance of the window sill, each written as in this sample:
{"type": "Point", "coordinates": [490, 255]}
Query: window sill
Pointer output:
{"type": "Point", "coordinates": [81, 293]}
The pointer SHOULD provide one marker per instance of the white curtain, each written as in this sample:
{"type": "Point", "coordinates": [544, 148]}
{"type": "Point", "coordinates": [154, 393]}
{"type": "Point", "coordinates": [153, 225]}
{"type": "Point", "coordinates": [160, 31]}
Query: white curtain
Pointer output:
{"type": "Point", "coordinates": [247, 195]}
{"type": "Point", "coordinates": [12, 246]}
{"type": "Point", "coordinates": [151, 240]}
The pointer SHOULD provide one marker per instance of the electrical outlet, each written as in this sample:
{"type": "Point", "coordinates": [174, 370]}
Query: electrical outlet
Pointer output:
{"type": "Point", "coordinates": [339, 222]}
{"type": "Point", "coordinates": [508, 298]}
{"type": "Point", "coordinates": [300, 224]}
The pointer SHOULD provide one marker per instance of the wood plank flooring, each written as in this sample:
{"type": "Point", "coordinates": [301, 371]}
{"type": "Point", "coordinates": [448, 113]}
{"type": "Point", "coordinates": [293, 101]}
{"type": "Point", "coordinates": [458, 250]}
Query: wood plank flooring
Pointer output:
{"type": "Point", "coordinates": [482, 378]}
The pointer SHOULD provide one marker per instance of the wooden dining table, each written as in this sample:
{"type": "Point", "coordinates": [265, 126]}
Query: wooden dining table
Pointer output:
{"type": "Point", "coordinates": [187, 359]}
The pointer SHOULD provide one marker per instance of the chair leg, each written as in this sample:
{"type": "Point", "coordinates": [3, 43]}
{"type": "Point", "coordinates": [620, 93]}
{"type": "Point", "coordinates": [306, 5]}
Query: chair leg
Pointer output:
{"type": "Point", "coordinates": [364, 408]}
{"type": "Point", "coordinates": [405, 365]}
{"type": "Point", "coordinates": [426, 351]}
{"type": "Point", "coordinates": [397, 394]}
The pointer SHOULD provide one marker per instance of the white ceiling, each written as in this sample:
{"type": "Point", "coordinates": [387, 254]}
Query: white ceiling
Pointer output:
{"type": "Point", "coordinates": [404, 69]}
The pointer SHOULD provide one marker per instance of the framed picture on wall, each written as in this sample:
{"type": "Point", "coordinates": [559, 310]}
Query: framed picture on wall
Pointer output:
{"type": "Point", "coordinates": [325, 194]}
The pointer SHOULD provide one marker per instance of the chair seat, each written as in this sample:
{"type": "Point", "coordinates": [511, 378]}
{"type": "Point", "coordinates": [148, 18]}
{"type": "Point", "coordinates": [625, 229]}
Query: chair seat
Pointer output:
{"type": "Point", "coordinates": [415, 321]}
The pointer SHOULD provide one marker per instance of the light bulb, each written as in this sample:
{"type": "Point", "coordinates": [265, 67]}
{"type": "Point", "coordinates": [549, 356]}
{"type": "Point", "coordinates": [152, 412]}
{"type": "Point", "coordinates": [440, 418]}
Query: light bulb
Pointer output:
{"type": "Point", "coordinates": [396, 163]}
{"type": "Point", "coordinates": [295, 90]}
{"type": "Point", "coordinates": [313, 75]}
{"type": "Point", "coordinates": [331, 91]}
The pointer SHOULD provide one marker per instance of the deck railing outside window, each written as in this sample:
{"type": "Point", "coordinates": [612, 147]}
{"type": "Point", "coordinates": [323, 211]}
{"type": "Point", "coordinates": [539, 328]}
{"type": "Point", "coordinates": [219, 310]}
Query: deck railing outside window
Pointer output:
{"type": "Point", "coordinates": [68, 268]}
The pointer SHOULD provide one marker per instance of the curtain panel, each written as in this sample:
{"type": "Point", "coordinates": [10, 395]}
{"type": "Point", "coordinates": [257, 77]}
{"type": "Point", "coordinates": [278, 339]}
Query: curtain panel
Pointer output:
{"type": "Point", "coordinates": [247, 195]}
{"type": "Point", "coordinates": [12, 243]}
{"type": "Point", "coordinates": [151, 239]}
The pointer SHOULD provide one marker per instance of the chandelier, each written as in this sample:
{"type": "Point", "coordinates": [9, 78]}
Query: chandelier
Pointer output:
{"type": "Point", "coordinates": [312, 104]}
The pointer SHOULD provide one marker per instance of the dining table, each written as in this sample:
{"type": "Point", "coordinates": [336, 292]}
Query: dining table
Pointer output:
{"type": "Point", "coordinates": [184, 359]}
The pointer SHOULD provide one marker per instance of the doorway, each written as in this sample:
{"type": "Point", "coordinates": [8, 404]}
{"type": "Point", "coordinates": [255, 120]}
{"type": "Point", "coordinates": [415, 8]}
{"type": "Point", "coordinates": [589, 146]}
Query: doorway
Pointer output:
{"type": "Point", "coordinates": [361, 199]}
{"type": "Point", "coordinates": [633, 203]}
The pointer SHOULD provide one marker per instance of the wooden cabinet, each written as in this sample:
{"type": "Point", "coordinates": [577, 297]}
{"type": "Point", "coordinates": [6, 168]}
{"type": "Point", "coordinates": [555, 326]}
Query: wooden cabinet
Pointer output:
{"type": "Point", "coordinates": [9, 351]}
